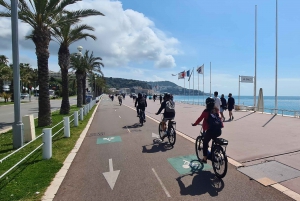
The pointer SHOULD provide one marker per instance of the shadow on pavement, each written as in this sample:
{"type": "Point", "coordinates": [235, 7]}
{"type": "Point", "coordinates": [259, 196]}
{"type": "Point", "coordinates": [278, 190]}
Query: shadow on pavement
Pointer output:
{"type": "Point", "coordinates": [5, 124]}
{"type": "Point", "coordinates": [203, 182]}
{"type": "Point", "coordinates": [157, 146]}
{"type": "Point", "coordinates": [244, 116]}
{"type": "Point", "coordinates": [269, 120]}
{"type": "Point", "coordinates": [136, 125]}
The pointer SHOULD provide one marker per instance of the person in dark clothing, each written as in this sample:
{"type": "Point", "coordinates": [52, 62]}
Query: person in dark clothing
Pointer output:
{"type": "Point", "coordinates": [208, 132]}
{"type": "Point", "coordinates": [169, 111]}
{"type": "Point", "coordinates": [223, 106]}
{"type": "Point", "coordinates": [160, 98]}
{"type": "Point", "coordinates": [141, 103]}
{"type": "Point", "coordinates": [230, 105]}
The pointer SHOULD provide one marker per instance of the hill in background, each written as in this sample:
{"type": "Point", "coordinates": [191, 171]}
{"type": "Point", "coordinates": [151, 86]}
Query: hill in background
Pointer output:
{"type": "Point", "coordinates": [157, 86]}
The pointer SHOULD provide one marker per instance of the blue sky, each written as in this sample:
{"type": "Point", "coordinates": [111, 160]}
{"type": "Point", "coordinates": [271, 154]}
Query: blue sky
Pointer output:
{"type": "Point", "coordinates": [150, 40]}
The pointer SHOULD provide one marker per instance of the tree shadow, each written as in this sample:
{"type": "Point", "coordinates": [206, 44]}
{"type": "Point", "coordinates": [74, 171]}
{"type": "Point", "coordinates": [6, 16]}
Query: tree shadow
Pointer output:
{"type": "Point", "coordinates": [203, 182]}
{"type": "Point", "coordinates": [3, 125]}
{"type": "Point", "coordinates": [157, 146]}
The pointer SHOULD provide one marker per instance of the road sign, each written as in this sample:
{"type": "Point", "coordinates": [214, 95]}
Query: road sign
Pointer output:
{"type": "Point", "coordinates": [188, 164]}
{"type": "Point", "coordinates": [110, 139]}
{"type": "Point", "coordinates": [248, 79]}
{"type": "Point", "coordinates": [111, 176]}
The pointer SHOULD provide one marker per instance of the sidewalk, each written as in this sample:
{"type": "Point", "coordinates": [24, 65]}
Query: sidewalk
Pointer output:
{"type": "Point", "coordinates": [267, 146]}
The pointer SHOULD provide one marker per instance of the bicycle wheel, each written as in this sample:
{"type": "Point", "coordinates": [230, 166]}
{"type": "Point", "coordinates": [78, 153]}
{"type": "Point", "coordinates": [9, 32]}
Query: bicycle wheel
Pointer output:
{"type": "Point", "coordinates": [172, 136]}
{"type": "Point", "coordinates": [219, 161]}
{"type": "Point", "coordinates": [141, 118]}
{"type": "Point", "coordinates": [160, 131]}
{"type": "Point", "coordinates": [199, 148]}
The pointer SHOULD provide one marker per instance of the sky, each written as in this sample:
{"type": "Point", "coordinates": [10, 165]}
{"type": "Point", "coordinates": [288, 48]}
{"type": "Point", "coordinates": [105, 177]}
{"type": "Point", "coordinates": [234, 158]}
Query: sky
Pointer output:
{"type": "Point", "coordinates": [151, 40]}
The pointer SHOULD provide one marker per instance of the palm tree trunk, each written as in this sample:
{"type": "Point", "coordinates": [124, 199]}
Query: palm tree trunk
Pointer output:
{"type": "Point", "coordinates": [84, 88]}
{"type": "Point", "coordinates": [79, 89]}
{"type": "Point", "coordinates": [64, 62]}
{"type": "Point", "coordinates": [41, 39]}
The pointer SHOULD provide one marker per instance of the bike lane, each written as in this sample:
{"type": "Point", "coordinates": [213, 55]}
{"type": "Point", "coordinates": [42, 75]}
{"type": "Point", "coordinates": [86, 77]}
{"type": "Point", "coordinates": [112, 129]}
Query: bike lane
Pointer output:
{"type": "Point", "coordinates": [136, 166]}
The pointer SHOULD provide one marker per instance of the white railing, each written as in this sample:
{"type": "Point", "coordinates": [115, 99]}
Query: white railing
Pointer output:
{"type": "Point", "coordinates": [47, 139]}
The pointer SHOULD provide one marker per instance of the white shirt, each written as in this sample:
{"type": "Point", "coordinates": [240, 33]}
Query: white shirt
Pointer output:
{"type": "Point", "coordinates": [217, 102]}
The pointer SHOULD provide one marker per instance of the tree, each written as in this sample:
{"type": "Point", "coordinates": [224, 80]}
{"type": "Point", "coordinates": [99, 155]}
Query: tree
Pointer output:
{"type": "Point", "coordinates": [92, 65]}
{"type": "Point", "coordinates": [83, 65]}
{"type": "Point", "coordinates": [66, 35]}
{"type": "Point", "coordinates": [44, 16]}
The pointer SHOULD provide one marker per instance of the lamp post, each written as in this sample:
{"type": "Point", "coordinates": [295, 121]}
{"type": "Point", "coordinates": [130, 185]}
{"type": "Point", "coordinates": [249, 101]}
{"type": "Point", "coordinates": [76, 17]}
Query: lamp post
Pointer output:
{"type": "Point", "coordinates": [18, 125]}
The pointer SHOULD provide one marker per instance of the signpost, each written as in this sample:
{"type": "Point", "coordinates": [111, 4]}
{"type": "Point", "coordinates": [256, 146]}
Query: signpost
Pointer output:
{"type": "Point", "coordinates": [246, 79]}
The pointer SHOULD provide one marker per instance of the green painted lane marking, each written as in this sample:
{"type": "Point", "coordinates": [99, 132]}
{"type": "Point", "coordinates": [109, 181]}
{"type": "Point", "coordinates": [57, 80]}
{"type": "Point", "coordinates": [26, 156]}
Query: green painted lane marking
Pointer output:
{"type": "Point", "coordinates": [188, 164]}
{"type": "Point", "coordinates": [106, 140]}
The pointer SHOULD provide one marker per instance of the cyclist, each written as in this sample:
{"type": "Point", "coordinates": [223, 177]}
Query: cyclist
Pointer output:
{"type": "Point", "coordinates": [169, 106]}
{"type": "Point", "coordinates": [120, 97]}
{"type": "Point", "coordinates": [208, 131]}
{"type": "Point", "coordinates": [142, 104]}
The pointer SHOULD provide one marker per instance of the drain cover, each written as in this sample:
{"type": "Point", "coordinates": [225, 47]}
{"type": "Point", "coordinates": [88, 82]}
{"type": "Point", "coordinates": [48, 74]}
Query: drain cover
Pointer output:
{"type": "Point", "coordinates": [271, 171]}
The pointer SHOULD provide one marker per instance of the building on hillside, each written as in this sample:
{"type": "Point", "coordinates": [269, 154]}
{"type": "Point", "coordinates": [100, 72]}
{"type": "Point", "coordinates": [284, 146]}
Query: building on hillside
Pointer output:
{"type": "Point", "coordinates": [112, 90]}
{"type": "Point", "coordinates": [125, 90]}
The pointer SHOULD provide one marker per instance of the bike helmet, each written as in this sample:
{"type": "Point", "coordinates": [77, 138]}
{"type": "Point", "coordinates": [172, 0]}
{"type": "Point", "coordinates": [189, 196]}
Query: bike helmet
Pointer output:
{"type": "Point", "coordinates": [167, 95]}
{"type": "Point", "coordinates": [210, 103]}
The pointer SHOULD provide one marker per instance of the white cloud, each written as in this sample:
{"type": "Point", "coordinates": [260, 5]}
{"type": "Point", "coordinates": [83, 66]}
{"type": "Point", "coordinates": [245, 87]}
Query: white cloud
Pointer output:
{"type": "Point", "coordinates": [123, 36]}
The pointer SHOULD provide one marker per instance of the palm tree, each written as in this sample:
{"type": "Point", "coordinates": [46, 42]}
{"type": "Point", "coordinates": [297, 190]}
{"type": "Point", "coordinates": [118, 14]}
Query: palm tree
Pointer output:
{"type": "Point", "coordinates": [44, 16]}
{"type": "Point", "coordinates": [92, 65]}
{"type": "Point", "coordinates": [3, 60]}
{"type": "Point", "coordinates": [66, 35]}
{"type": "Point", "coordinates": [83, 65]}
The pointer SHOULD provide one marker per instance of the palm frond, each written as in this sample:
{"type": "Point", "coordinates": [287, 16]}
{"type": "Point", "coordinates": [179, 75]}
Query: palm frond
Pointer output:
{"type": "Point", "coordinates": [5, 5]}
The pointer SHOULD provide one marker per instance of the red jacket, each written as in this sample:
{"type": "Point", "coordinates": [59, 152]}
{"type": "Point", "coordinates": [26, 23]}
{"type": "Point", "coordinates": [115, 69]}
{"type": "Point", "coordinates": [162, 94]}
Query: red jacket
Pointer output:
{"type": "Point", "coordinates": [204, 115]}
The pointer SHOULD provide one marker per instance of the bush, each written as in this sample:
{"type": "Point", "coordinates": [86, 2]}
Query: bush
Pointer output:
{"type": "Point", "coordinates": [6, 96]}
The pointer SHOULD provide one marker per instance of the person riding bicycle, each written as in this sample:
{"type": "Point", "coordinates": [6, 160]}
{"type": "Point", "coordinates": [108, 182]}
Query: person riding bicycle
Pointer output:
{"type": "Point", "coordinates": [142, 104]}
{"type": "Point", "coordinates": [169, 106]}
{"type": "Point", "coordinates": [120, 97]}
{"type": "Point", "coordinates": [210, 131]}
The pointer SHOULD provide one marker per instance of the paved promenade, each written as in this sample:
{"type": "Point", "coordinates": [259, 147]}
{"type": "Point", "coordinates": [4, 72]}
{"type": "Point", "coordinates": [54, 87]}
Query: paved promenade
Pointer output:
{"type": "Point", "coordinates": [254, 138]}
{"type": "Point", "coordinates": [121, 160]}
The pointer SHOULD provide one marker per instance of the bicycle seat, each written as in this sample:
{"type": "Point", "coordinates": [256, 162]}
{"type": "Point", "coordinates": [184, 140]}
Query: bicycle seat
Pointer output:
{"type": "Point", "coordinates": [221, 141]}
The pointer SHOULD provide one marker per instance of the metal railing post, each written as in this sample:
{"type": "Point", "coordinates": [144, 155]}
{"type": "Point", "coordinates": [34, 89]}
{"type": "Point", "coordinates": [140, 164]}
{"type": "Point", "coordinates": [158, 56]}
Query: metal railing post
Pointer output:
{"type": "Point", "coordinates": [66, 127]}
{"type": "Point", "coordinates": [76, 118]}
{"type": "Point", "coordinates": [81, 114]}
{"type": "Point", "coordinates": [47, 140]}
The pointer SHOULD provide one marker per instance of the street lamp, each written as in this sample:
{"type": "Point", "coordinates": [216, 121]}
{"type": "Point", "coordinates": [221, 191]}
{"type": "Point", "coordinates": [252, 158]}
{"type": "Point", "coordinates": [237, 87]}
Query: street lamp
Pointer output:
{"type": "Point", "coordinates": [18, 140]}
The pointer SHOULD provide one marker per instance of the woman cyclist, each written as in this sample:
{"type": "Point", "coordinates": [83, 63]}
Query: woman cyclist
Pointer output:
{"type": "Point", "coordinates": [208, 132]}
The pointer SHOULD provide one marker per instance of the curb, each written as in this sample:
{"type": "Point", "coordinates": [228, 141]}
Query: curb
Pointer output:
{"type": "Point", "coordinates": [277, 186]}
{"type": "Point", "coordinates": [60, 175]}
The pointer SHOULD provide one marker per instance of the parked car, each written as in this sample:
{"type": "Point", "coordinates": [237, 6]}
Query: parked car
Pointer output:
{"type": "Point", "coordinates": [24, 95]}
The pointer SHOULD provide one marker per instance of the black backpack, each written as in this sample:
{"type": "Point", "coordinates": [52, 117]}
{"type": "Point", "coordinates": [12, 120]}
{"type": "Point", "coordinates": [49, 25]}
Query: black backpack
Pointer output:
{"type": "Point", "coordinates": [215, 122]}
{"type": "Point", "coordinates": [142, 102]}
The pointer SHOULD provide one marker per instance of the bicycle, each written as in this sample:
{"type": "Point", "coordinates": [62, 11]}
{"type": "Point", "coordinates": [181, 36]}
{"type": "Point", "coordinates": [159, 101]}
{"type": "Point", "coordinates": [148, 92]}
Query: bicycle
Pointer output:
{"type": "Point", "coordinates": [218, 154]}
{"type": "Point", "coordinates": [142, 116]}
{"type": "Point", "coordinates": [171, 131]}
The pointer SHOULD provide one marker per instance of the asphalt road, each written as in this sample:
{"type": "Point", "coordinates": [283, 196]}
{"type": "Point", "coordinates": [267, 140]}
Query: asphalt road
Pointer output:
{"type": "Point", "coordinates": [7, 111]}
{"type": "Point", "coordinates": [138, 166]}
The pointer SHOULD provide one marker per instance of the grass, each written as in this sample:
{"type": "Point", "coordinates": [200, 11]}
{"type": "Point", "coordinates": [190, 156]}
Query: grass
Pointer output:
{"type": "Point", "coordinates": [7, 103]}
{"type": "Point", "coordinates": [31, 178]}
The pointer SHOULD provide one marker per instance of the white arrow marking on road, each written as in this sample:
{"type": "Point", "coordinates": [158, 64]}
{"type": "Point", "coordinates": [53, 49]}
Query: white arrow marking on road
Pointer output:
{"type": "Point", "coordinates": [155, 135]}
{"type": "Point", "coordinates": [111, 176]}
{"type": "Point", "coordinates": [109, 139]}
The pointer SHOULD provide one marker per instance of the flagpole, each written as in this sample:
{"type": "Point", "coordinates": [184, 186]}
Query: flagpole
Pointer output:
{"type": "Point", "coordinates": [189, 91]}
{"type": "Point", "coordinates": [198, 91]}
{"type": "Point", "coordinates": [255, 56]}
{"type": "Point", "coordinates": [276, 63]}
{"type": "Point", "coordinates": [184, 86]}
{"type": "Point", "coordinates": [210, 81]}
{"type": "Point", "coordinates": [203, 85]}
{"type": "Point", "coordinates": [193, 87]}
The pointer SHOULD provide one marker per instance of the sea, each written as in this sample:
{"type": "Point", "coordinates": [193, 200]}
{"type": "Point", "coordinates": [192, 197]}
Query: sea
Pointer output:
{"type": "Point", "coordinates": [287, 105]}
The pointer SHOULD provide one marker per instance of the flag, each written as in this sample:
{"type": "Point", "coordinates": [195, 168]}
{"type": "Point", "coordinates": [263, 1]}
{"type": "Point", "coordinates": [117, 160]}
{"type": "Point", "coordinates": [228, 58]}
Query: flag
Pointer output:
{"type": "Point", "coordinates": [188, 73]}
{"type": "Point", "coordinates": [191, 75]}
{"type": "Point", "coordinates": [181, 75]}
{"type": "Point", "coordinates": [200, 69]}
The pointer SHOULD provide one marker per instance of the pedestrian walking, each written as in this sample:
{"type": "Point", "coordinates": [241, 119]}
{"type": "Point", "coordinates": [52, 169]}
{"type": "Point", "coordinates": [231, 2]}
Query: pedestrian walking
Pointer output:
{"type": "Point", "coordinates": [217, 100]}
{"type": "Point", "coordinates": [223, 106]}
{"type": "Point", "coordinates": [230, 106]}
{"type": "Point", "coordinates": [160, 98]}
